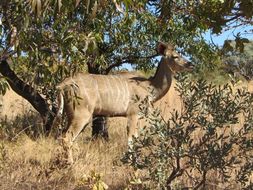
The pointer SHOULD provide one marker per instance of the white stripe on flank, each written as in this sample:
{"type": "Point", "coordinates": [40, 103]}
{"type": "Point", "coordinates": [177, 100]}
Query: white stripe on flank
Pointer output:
{"type": "Point", "coordinates": [118, 85]}
{"type": "Point", "coordinates": [127, 99]}
{"type": "Point", "coordinates": [123, 92]}
{"type": "Point", "coordinates": [116, 90]}
{"type": "Point", "coordinates": [85, 91]}
{"type": "Point", "coordinates": [99, 102]}
{"type": "Point", "coordinates": [110, 90]}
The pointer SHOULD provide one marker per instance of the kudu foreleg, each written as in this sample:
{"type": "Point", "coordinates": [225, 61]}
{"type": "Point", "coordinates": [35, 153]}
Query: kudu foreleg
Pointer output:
{"type": "Point", "coordinates": [132, 130]}
{"type": "Point", "coordinates": [78, 121]}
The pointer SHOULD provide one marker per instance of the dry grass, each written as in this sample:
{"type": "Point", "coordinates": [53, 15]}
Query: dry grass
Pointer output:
{"type": "Point", "coordinates": [37, 164]}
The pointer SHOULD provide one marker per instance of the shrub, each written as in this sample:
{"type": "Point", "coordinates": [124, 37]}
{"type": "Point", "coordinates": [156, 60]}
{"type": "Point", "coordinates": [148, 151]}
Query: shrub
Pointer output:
{"type": "Point", "coordinates": [200, 146]}
{"type": "Point", "coordinates": [29, 124]}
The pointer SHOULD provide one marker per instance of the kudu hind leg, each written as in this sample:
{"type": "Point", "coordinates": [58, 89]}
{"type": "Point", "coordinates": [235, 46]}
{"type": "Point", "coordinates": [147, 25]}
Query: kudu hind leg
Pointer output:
{"type": "Point", "coordinates": [78, 121]}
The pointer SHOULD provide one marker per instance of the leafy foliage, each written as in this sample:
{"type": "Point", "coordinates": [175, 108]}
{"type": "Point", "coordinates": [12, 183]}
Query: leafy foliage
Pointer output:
{"type": "Point", "coordinates": [199, 142]}
{"type": "Point", "coordinates": [238, 61]}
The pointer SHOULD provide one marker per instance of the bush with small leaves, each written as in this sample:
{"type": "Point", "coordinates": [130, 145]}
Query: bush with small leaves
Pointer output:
{"type": "Point", "coordinates": [202, 146]}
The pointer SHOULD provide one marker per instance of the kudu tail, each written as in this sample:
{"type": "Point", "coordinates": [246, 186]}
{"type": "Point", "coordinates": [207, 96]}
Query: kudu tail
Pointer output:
{"type": "Point", "coordinates": [60, 100]}
{"type": "Point", "coordinates": [61, 104]}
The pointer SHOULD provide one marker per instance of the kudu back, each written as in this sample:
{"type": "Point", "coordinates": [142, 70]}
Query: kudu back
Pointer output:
{"type": "Point", "coordinates": [84, 95]}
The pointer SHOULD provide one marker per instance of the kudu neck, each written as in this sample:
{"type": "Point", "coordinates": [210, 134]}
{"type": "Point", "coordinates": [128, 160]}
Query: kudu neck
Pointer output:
{"type": "Point", "coordinates": [161, 81]}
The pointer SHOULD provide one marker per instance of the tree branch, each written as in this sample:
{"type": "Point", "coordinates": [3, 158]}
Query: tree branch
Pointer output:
{"type": "Point", "coordinates": [202, 182]}
{"type": "Point", "coordinates": [233, 18]}
{"type": "Point", "coordinates": [29, 93]}
{"type": "Point", "coordinates": [129, 59]}
{"type": "Point", "coordinates": [176, 172]}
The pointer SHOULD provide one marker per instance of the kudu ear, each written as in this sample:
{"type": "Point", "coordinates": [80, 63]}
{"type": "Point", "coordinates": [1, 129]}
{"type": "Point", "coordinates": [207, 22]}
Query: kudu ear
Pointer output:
{"type": "Point", "coordinates": [161, 47]}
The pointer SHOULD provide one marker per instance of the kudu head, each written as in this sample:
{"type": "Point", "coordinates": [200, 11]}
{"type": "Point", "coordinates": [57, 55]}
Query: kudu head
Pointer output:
{"type": "Point", "coordinates": [175, 61]}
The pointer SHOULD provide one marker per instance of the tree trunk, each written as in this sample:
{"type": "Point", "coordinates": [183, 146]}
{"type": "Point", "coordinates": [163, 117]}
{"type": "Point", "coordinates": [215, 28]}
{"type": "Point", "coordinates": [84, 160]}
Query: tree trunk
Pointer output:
{"type": "Point", "coordinates": [30, 94]}
{"type": "Point", "coordinates": [99, 127]}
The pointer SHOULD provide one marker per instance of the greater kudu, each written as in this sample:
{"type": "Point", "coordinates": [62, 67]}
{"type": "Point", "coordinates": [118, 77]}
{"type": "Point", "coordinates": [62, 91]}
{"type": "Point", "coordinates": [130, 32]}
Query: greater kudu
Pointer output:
{"type": "Point", "coordinates": [83, 95]}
